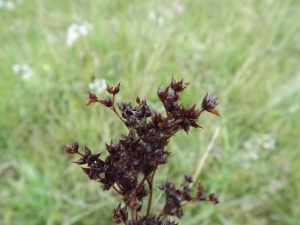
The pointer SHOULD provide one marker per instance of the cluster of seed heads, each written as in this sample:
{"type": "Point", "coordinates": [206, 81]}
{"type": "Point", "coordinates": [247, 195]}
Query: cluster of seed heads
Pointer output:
{"type": "Point", "coordinates": [132, 162]}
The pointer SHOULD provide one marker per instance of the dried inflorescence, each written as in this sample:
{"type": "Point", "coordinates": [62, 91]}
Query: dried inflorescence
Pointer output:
{"type": "Point", "coordinates": [132, 162]}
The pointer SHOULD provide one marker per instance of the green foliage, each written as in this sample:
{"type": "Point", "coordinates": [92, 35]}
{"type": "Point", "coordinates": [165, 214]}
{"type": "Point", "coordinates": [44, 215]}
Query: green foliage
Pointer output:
{"type": "Point", "coordinates": [245, 52]}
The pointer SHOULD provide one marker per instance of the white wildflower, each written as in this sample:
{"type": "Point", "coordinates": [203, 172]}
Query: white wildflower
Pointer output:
{"type": "Point", "coordinates": [268, 142]}
{"type": "Point", "coordinates": [7, 4]}
{"type": "Point", "coordinates": [252, 148]}
{"type": "Point", "coordinates": [22, 70]}
{"type": "Point", "coordinates": [161, 21]}
{"type": "Point", "coordinates": [98, 85]}
{"type": "Point", "coordinates": [178, 6]}
{"type": "Point", "coordinates": [276, 185]}
{"type": "Point", "coordinates": [75, 31]}
{"type": "Point", "coordinates": [250, 156]}
{"type": "Point", "coordinates": [152, 15]}
{"type": "Point", "coordinates": [248, 145]}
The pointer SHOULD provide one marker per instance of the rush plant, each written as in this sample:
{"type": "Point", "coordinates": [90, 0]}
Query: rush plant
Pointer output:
{"type": "Point", "coordinates": [131, 164]}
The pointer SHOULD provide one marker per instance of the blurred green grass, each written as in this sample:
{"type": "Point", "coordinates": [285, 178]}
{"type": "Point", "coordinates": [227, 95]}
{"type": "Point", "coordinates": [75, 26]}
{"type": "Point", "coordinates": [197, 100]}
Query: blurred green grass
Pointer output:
{"type": "Point", "coordinates": [245, 52]}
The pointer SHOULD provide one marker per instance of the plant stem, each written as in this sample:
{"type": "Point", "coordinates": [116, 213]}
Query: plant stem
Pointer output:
{"type": "Point", "coordinates": [151, 192]}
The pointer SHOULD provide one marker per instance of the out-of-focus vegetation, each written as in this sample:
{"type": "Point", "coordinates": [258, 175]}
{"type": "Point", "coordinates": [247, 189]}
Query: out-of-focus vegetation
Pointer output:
{"type": "Point", "coordinates": [245, 52]}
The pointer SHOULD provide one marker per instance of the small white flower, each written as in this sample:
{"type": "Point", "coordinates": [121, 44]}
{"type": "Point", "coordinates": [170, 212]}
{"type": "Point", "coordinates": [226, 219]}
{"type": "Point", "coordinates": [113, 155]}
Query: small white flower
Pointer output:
{"type": "Point", "coordinates": [250, 156]}
{"type": "Point", "coordinates": [276, 185]}
{"type": "Point", "coordinates": [16, 68]}
{"type": "Point", "coordinates": [161, 21]}
{"type": "Point", "coordinates": [253, 156]}
{"type": "Point", "coordinates": [22, 70]}
{"type": "Point", "coordinates": [247, 145]}
{"type": "Point", "coordinates": [252, 148]}
{"type": "Point", "coordinates": [152, 15]}
{"type": "Point", "coordinates": [75, 31]}
{"type": "Point", "coordinates": [7, 4]}
{"type": "Point", "coordinates": [98, 85]}
{"type": "Point", "coordinates": [84, 28]}
{"type": "Point", "coordinates": [178, 6]}
{"type": "Point", "coordinates": [268, 142]}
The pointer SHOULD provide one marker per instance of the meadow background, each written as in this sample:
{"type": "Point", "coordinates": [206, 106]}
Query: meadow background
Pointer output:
{"type": "Point", "coordinates": [246, 53]}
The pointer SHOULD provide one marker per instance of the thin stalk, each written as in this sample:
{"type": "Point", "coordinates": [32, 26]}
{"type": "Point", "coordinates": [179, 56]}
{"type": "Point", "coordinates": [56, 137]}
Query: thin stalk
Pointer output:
{"type": "Point", "coordinates": [133, 208]}
{"type": "Point", "coordinates": [115, 111]}
{"type": "Point", "coordinates": [132, 215]}
{"type": "Point", "coordinates": [151, 192]}
{"type": "Point", "coordinates": [141, 183]}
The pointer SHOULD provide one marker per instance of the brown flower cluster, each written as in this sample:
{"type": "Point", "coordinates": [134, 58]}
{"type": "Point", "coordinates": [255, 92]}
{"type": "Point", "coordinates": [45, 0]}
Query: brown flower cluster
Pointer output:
{"type": "Point", "coordinates": [131, 163]}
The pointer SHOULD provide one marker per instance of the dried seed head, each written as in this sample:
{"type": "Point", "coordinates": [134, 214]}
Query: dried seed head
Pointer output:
{"type": "Point", "coordinates": [188, 178]}
{"type": "Point", "coordinates": [113, 89]}
{"type": "Point", "coordinates": [162, 93]}
{"type": "Point", "coordinates": [92, 98]}
{"type": "Point", "coordinates": [214, 199]}
{"type": "Point", "coordinates": [107, 102]}
{"type": "Point", "coordinates": [73, 148]}
{"type": "Point", "coordinates": [178, 86]}
{"type": "Point", "coordinates": [209, 104]}
{"type": "Point", "coordinates": [120, 215]}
